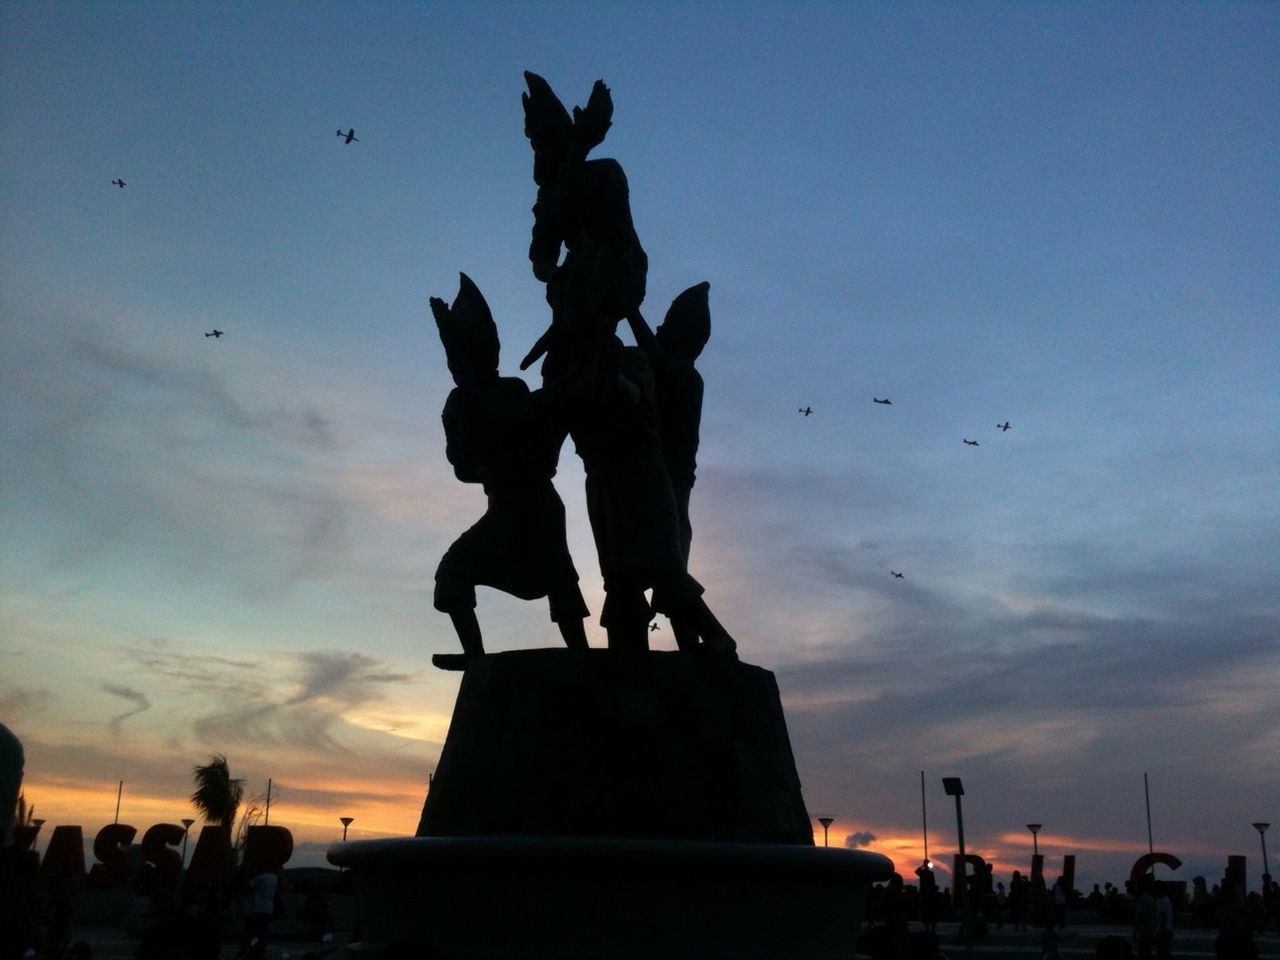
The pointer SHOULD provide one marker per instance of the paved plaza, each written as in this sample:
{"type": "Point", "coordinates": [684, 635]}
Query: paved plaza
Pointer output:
{"type": "Point", "coordinates": [1078, 942]}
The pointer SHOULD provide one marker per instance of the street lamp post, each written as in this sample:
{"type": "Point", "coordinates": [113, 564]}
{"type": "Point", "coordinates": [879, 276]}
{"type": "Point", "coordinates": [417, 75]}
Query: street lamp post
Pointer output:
{"type": "Point", "coordinates": [186, 831]}
{"type": "Point", "coordinates": [346, 822]}
{"type": "Point", "coordinates": [1262, 835]}
{"type": "Point", "coordinates": [954, 788]}
{"type": "Point", "coordinates": [1035, 845]}
{"type": "Point", "coordinates": [826, 822]}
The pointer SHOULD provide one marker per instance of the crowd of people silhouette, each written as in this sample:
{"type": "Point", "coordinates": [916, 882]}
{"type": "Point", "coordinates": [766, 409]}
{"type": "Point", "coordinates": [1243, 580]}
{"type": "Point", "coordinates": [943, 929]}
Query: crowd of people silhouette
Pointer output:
{"type": "Point", "coordinates": [902, 918]}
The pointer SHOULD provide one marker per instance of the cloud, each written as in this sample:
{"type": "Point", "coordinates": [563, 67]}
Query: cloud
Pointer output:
{"type": "Point", "coordinates": [133, 696]}
{"type": "Point", "coordinates": [25, 701]}
{"type": "Point", "coordinates": [860, 838]}
{"type": "Point", "coordinates": [202, 472]}
{"type": "Point", "coordinates": [346, 679]}
{"type": "Point", "coordinates": [299, 701]}
{"type": "Point", "coordinates": [198, 390]}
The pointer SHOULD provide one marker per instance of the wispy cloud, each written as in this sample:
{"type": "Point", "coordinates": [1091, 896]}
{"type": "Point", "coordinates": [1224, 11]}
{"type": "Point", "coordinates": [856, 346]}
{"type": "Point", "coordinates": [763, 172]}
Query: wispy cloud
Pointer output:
{"type": "Point", "coordinates": [139, 700]}
{"type": "Point", "coordinates": [196, 389]}
{"type": "Point", "coordinates": [115, 427]}
{"type": "Point", "coordinates": [345, 679]}
{"type": "Point", "coordinates": [25, 701]}
{"type": "Point", "coordinates": [294, 700]}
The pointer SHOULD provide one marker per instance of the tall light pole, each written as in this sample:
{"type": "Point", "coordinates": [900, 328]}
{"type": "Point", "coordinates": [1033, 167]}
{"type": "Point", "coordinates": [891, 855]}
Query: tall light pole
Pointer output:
{"type": "Point", "coordinates": [924, 818]}
{"type": "Point", "coordinates": [1262, 835]}
{"type": "Point", "coordinates": [954, 788]}
{"type": "Point", "coordinates": [186, 831]}
{"type": "Point", "coordinates": [1035, 845]}
{"type": "Point", "coordinates": [346, 822]}
{"type": "Point", "coordinates": [826, 822]}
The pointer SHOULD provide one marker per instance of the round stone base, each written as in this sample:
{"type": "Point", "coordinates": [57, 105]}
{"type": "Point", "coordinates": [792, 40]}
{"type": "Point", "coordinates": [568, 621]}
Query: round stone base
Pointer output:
{"type": "Point", "coordinates": [574, 897]}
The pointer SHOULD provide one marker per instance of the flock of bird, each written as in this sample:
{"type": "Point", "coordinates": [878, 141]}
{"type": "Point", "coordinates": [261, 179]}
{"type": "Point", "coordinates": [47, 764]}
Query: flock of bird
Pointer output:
{"type": "Point", "coordinates": [348, 137]}
{"type": "Point", "coordinates": [806, 411]}
{"type": "Point", "coordinates": [885, 401]}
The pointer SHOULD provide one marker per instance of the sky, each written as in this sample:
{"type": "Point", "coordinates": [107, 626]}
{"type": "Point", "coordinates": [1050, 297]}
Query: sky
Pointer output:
{"type": "Point", "coordinates": [1062, 216]}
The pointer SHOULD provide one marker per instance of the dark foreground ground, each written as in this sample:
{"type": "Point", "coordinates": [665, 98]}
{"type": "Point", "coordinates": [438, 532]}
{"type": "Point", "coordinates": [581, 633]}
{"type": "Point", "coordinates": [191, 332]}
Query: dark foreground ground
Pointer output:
{"type": "Point", "coordinates": [1078, 943]}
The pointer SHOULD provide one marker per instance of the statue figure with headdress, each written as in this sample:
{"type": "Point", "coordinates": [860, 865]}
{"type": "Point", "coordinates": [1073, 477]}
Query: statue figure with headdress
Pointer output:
{"type": "Point", "coordinates": [672, 351]}
{"type": "Point", "coordinates": [500, 434]}
{"type": "Point", "coordinates": [583, 206]}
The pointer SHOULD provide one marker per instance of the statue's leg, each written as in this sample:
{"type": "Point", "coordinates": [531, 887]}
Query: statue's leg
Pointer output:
{"type": "Point", "coordinates": [626, 616]}
{"type": "Point", "coordinates": [569, 610]}
{"type": "Point", "coordinates": [629, 638]}
{"type": "Point", "coordinates": [679, 596]}
{"type": "Point", "coordinates": [686, 632]}
{"type": "Point", "coordinates": [683, 625]}
{"type": "Point", "coordinates": [468, 627]}
{"type": "Point", "coordinates": [574, 634]}
{"type": "Point", "coordinates": [700, 618]}
{"type": "Point", "coordinates": [456, 596]}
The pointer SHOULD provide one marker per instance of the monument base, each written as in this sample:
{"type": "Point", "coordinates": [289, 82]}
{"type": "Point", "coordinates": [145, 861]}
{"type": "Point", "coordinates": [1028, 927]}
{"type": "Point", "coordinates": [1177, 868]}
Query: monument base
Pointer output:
{"type": "Point", "coordinates": [555, 898]}
{"type": "Point", "coordinates": [660, 745]}
{"type": "Point", "coordinates": [598, 806]}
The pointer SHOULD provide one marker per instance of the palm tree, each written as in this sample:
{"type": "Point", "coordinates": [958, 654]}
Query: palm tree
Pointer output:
{"type": "Point", "coordinates": [22, 814]}
{"type": "Point", "coordinates": [217, 794]}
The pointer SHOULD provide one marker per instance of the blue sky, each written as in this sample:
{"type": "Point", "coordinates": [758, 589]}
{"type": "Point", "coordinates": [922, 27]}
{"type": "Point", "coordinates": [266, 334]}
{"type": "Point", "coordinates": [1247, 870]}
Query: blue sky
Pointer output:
{"type": "Point", "coordinates": [1063, 216]}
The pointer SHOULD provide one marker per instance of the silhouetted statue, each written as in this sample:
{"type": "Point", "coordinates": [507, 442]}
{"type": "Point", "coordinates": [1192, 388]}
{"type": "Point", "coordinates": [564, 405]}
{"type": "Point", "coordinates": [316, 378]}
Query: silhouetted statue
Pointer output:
{"type": "Point", "coordinates": [584, 206]}
{"type": "Point", "coordinates": [672, 351]}
{"type": "Point", "coordinates": [501, 435]}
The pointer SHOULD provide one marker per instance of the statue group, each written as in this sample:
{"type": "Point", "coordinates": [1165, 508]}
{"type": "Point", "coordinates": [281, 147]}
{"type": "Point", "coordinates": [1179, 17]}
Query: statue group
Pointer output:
{"type": "Point", "coordinates": [633, 412]}
{"type": "Point", "coordinates": [612, 803]}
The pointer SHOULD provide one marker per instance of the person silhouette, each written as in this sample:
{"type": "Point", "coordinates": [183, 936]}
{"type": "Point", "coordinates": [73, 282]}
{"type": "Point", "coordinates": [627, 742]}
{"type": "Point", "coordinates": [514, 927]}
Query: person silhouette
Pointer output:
{"type": "Point", "coordinates": [1019, 897]}
{"type": "Point", "coordinates": [929, 897]}
{"type": "Point", "coordinates": [500, 434]}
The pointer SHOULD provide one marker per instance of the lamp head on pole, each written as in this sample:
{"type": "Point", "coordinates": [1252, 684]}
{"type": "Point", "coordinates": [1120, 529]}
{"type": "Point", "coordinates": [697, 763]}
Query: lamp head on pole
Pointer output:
{"type": "Point", "coordinates": [186, 823]}
{"type": "Point", "coordinates": [1261, 827]}
{"type": "Point", "coordinates": [826, 822]}
{"type": "Point", "coordinates": [952, 787]}
{"type": "Point", "coordinates": [1034, 828]}
{"type": "Point", "coordinates": [346, 821]}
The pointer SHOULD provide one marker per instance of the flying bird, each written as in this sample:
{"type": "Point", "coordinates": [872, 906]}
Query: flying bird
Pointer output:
{"type": "Point", "coordinates": [117, 182]}
{"type": "Point", "coordinates": [1003, 426]}
{"type": "Point", "coordinates": [653, 627]}
{"type": "Point", "coordinates": [215, 333]}
{"type": "Point", "coordinates": [886, 401]}
{"type": "Point", "coordinates": [806, 410]}
{"type": "Point", "coordinates": [972, 443]}
{"type": "Point", "coordinates": [896, 574]}
{"type": "Point", "coordinates": [349, 136]}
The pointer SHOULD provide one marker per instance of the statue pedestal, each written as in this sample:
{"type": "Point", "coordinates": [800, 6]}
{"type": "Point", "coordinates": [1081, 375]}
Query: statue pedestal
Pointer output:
{"type": "Point", "coordinates": [602, 805]}
{"type": "Point", "coordinates": [557, 898]}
